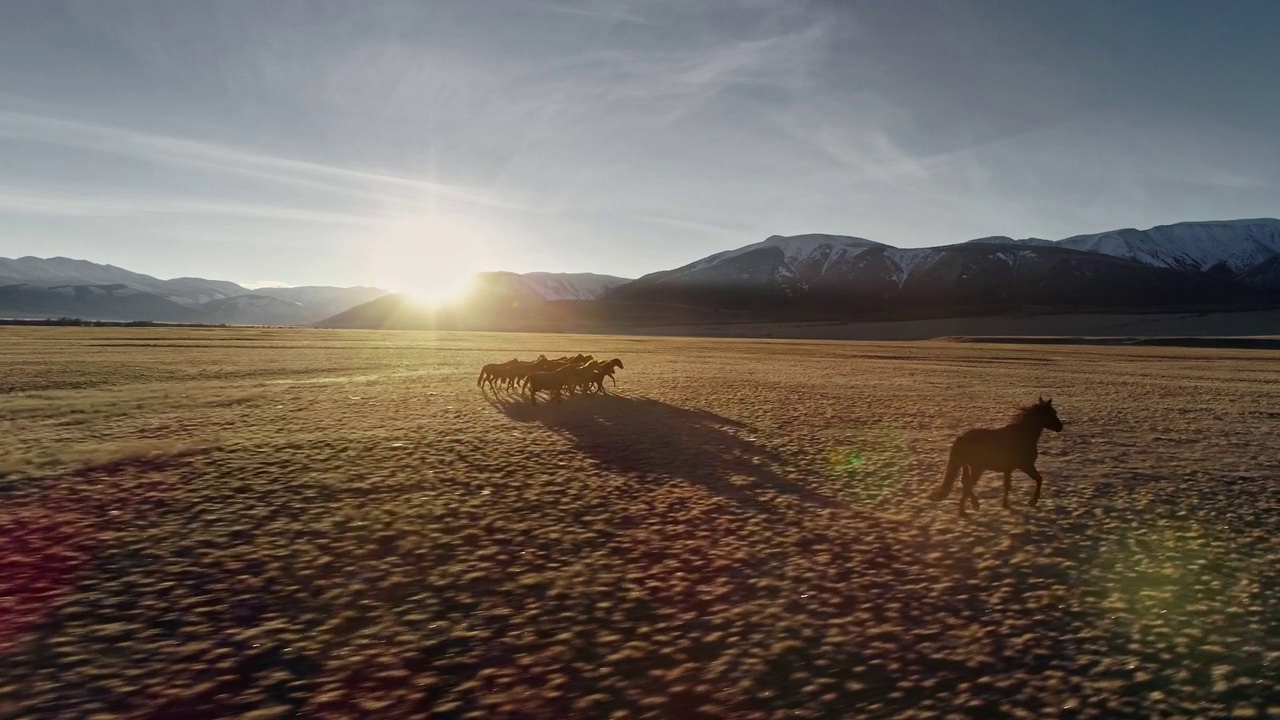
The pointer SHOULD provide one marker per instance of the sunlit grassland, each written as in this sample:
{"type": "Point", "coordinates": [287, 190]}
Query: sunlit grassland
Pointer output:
{"type": "Point", "coordinates": [195, 523]}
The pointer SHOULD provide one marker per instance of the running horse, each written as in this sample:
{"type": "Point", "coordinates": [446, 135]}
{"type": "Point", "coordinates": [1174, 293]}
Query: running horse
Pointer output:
{"type": "Point", "coordinates": [1004, 449]}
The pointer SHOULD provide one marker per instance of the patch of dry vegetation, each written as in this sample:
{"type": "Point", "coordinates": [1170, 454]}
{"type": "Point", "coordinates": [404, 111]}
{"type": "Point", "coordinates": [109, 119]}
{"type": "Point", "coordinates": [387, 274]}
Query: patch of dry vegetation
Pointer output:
{"type": "Point", "coordinates": [202, 523]}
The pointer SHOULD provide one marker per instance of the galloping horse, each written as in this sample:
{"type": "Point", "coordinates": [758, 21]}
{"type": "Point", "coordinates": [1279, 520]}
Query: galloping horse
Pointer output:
{"type": "Point", "coordinates": [600, 371]}
{"type": "Point", "coordinates": [1005, 449]}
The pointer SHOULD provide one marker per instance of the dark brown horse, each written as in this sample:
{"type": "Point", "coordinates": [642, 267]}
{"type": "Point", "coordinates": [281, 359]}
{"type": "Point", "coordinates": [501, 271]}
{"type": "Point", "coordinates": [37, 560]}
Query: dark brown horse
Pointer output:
{"type": "Point", "coordinates": [1005, 449]}
{"type": "Point", "coordinates": [600, 372]}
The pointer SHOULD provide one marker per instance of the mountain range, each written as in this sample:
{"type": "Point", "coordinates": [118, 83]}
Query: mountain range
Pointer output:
{"type": "Point", "coordinates": [815, 276]}
{"type": "Point", "coordinates": [32, 287]}
{"type": "Point", "coordinates": [1187, 264]}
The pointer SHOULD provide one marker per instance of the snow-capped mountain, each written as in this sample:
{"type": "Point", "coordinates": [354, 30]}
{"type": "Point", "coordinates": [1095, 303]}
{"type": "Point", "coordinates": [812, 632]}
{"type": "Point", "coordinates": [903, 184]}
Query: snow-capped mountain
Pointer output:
{"type": "Point", "coordinates": [194, 291]}
{"type": "Point", "coordinates": [781, 268]}
{"type": "Point", "coordinates": [777, 269]}
{"type": "Point", "coordinates": [56, 271]}
{"type": "Point", "coordinates": [805, 256]}
{"type": "Point", "coordinates": [843, 273]}
{"type": "Point", "coordinates": [1235, 245]}
{"type": "Point", "coordinates": [62, 271]}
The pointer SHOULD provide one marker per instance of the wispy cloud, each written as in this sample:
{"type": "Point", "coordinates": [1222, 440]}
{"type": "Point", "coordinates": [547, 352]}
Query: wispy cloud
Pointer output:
{"type": "Point", "coordinates": [610, 10]}
{"type": "Point", "coordinates": [685, 224]}
{"type": "Point", "coordinates": [361, 184]}
{"type": "Point", "coordinates": [76, 204]}
{"type": "Point", "coordinates": [697, 73]}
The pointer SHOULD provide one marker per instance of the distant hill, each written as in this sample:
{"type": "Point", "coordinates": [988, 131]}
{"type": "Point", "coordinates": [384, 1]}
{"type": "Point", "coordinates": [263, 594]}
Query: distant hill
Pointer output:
{"type": "Point", "coordinates": [59, 286]}
{"type": "Point", "coordinates": [92, 302]}
{"type": "Point", "coordinates": [496, 300]}
{"type": "Point", "coordinates": [45, 287]}
{"type": "Point", "coordinates": [572, 286]}
{"type": "Point", "coordinates": [318, 301]}
{"type": "Point", "coordinates": [255, 309]}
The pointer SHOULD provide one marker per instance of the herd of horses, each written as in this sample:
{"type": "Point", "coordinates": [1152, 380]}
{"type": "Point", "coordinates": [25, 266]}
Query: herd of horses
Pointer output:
{"type": "Point", "coordinates": [556, 377]}
{"type": "Point", "coordinates": [1012, 447]}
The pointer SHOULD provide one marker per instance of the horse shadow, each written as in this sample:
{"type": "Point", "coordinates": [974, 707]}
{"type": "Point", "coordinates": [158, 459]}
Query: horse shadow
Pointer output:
{"type": "Point", "coordinates": [641, 436]}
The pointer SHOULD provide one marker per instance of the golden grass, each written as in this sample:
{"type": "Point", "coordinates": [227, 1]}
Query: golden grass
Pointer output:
{"type": "Point", "coordinates": [204, 523]}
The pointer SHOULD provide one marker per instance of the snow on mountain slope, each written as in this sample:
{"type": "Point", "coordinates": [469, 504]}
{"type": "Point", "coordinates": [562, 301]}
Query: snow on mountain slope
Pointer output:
{"type": "Point", "coordinates": [807, 254]}
{"type": "Point", "coordinates": [907, 260]}
{"type": "Point", "coordinates": [571, 286]}
{"type": "Point", "coordinates": [55, 271]}
{"type": "Point", "coordinates": [201, 286]}
{"type": "Point", "coordinates": [1237, 245]}
{"type": "Point", "coordinates": [48, 272]}
{"type": "Point", "coordinates": [802, 249]}
{"type": "Point", "coordinates": [838, 274]}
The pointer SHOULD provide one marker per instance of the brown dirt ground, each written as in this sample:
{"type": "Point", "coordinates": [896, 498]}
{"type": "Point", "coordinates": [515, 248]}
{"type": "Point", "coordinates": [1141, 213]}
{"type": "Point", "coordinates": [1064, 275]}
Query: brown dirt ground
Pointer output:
{"type": "Point", "coordinates": [263, 523]}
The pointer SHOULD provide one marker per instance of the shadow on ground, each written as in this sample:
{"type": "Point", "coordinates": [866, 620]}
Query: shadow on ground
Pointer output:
{"type": "Point", "coordinates": [638, 435]}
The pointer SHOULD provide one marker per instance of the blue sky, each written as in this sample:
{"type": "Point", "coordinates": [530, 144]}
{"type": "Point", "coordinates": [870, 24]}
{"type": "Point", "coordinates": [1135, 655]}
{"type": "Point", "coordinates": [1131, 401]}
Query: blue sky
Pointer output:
{"type": "Point", "coordinates": [411, 142]}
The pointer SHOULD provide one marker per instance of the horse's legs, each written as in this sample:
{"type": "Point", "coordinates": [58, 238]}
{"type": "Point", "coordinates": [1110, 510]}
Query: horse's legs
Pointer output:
{"type": "Point", "coordinates": [1034, 474]}
{"type": "Point", "coordinates": [1008, 482]}
{"type": "Point", "coordinates": [968, 476]}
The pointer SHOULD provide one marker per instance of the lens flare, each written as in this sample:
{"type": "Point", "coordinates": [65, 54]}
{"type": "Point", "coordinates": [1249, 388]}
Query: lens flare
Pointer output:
{"type": "Point", "coordinates": [873, 464]}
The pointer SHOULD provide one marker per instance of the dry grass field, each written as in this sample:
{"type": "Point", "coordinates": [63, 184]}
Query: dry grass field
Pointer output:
{"type": "Point", "coordinates": [277, 523]}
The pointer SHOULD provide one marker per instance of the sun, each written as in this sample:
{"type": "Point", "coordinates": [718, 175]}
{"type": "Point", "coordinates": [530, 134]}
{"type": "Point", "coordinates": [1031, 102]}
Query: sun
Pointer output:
{"type": "Point", "coordinates": [441, 292]}
{"type": "Point", "coordinates": [430, 259]}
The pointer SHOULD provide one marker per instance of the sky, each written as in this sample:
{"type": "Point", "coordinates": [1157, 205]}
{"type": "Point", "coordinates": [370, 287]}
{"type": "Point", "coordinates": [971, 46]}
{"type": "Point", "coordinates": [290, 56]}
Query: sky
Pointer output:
{"type": "Point", "coordinates": [407, 143]}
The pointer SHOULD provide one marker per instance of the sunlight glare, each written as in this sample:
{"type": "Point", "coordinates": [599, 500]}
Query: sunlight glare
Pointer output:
{"type": "Point", "coordinates": [428, 258]}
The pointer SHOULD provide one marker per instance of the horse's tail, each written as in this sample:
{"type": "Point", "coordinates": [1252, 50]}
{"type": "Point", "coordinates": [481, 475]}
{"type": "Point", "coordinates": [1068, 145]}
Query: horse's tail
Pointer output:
{"type": "Point", "coordinates": [480, 380]}
{"type": "Point", "coordinates": [954, 466]}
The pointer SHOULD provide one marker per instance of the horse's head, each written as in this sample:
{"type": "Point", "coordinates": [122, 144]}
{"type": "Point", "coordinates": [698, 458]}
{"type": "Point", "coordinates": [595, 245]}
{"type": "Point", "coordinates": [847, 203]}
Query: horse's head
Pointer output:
{"type": "Point", "coordinates": [616, 363]}
{"type": "Point", "coordinates": [1047, 416]}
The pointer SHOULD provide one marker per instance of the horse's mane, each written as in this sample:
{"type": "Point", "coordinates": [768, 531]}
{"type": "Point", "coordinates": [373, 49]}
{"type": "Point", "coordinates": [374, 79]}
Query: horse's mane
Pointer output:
{"type": "Point", "coordinates": [1029, 411]}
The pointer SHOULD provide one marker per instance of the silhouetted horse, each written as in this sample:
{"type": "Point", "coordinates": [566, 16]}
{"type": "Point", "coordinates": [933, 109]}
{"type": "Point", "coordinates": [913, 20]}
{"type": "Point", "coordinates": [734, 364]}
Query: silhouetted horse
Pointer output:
{"type": "Point", "coordinates": [1012, 447]}
{"type": "Point", "coordinates": [600, 371]}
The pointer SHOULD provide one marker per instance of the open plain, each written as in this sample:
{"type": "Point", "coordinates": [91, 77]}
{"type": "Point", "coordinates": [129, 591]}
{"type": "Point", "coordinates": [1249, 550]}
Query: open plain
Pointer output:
{"type": "Point", "coordinates": [273, 523]}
